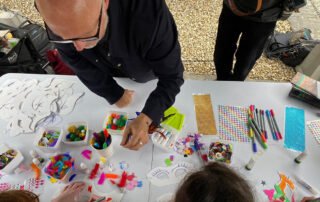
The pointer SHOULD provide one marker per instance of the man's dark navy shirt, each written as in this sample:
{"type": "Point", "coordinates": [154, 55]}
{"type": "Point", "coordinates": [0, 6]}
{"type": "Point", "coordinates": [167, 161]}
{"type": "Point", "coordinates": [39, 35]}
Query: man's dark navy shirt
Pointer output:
{"type": "Point", "coordinates": [141, 42]}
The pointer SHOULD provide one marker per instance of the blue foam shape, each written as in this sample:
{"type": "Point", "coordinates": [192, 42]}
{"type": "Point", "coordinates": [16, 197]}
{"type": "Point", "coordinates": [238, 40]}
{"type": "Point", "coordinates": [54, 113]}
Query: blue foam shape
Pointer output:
{"type": "Point", "coordinates": [295, 129]}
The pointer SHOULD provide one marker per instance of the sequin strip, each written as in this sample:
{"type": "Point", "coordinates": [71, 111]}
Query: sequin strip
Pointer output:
{"type": "Point", "coordinates": [233, 123]}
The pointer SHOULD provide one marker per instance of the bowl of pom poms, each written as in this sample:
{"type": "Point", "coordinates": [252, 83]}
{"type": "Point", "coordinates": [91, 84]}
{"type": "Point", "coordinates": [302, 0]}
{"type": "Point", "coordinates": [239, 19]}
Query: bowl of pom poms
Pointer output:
{"type": "Point", "coordinates": [77, 134]}
{"type": "Point", "coordinates": [49, 139]}
{"type": "Point", "coordinates": [60, 168]}
{"type": "Point", "coordinates": [115, 122]}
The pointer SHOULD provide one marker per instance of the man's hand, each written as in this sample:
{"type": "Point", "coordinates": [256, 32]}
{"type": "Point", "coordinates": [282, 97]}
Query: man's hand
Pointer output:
{"type": "Point", "coordinates": [136, 133]}
{"type": "Point", "coordinates": [126, 99]}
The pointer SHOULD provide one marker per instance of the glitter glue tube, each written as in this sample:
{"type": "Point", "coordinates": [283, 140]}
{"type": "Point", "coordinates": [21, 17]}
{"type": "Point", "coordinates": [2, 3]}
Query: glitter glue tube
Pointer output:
{"type": "Point", "coordinates": [156, 136]}
{"type": "Point", "coordinates": [170, 140]}
{"type": "Point", "coordinates": [299, 158]}
{"type": "Point", "coordinates": [160, 135]}
{"type": "Point", "coordinates": [162, 140]}
{"type": "Point", "coordinates": [250, 164]}
{"type": "Point", "coordinates": [168, 135]}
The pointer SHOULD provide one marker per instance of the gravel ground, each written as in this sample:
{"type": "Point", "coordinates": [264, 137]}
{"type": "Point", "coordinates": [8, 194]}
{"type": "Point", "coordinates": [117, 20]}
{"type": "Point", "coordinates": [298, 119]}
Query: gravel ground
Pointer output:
{"type": "Point", "coordinates": [197, 25]}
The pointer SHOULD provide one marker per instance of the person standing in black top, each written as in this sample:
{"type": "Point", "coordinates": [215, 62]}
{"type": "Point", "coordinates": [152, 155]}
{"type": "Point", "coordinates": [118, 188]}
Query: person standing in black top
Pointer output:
{"type": "Point", "coordinates": [250, 20]}
{"type": "Point", "coordinates": [102, 39]}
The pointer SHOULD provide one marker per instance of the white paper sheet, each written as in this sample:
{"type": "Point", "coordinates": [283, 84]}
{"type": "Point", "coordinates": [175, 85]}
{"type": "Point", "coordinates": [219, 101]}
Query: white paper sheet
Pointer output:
{"type": "Point", "coordinates": [25, 104]}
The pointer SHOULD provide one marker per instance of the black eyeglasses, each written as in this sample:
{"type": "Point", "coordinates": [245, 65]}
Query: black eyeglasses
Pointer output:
{"type": "Point", "coordinates": [86, 39]}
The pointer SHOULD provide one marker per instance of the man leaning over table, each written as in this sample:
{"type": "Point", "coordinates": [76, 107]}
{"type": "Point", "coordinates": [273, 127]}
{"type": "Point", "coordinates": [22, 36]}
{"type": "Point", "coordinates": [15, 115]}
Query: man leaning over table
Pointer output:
{"type": "Point", "coordinates": [102, 39]}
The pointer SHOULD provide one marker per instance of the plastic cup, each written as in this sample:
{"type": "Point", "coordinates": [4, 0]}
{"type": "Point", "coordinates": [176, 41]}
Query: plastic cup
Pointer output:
{"type": "Point", "coordinates": [106, 152]}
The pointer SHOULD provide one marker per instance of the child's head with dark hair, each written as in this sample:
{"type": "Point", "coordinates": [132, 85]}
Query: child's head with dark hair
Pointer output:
{"type": "Point", "coordinates": [215, 182]}
{"type": "Point", "coordinates": [18, 196]}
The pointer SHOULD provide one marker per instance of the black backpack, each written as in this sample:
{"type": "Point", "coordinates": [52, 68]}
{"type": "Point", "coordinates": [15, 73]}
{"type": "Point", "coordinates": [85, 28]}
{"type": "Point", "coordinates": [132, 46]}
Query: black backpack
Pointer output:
{"type": "Point", "coordinates": [29, 55]}
{"type": "Point", "coordinates": [291, 48]}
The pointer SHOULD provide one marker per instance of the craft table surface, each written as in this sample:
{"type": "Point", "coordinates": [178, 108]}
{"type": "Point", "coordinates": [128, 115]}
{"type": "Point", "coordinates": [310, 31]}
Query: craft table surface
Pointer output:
{"type": "Point", "coordinates": [264, 95]}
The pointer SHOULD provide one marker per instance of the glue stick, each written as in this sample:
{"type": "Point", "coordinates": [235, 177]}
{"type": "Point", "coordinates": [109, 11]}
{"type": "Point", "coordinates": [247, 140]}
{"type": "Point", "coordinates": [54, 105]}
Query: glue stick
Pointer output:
{"type": "Point", "coordinates": [299, 158]}
{"type": "Point", "coordinates": [36, 161]}
{"type": "Point", "coordinates": [34, 154]}
{"type": "Point", "coordinates": [250, 164]}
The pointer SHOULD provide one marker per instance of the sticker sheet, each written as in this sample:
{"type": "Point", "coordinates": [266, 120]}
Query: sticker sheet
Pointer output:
{"type": "Point", "coordinates": [314, 127]}
{"type": "Point", "coordinates": [233, 123]}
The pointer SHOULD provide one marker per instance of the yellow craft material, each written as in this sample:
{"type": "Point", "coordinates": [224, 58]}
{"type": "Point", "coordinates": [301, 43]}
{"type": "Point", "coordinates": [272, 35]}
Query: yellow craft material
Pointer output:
{"type": "Point", "coordinates": [204, 114]}
{"type": "Point", "coordinates": [8, 36]}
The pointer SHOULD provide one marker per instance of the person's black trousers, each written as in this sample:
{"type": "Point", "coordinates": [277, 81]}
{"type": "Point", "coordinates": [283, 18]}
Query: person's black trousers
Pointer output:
{"type": "Point", "coordinates": [254, 35]}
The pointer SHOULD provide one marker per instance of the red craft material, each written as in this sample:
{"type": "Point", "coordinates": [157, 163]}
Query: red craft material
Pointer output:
{"type": "Point", "coordinates": [123, 180]}
{"type": "Point", "coordinates": [130, 177]}
{"type": "Point", "coordinates": [94, 171]}
{"type": "Point", "coordinates": [205, 157]}
{"type": "Point", "coordinates": [90, 188]}
{"type": "Point", "coordinates": [106, 134]}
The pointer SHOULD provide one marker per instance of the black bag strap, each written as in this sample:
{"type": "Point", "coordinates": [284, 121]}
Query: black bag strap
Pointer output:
{"type": "Point", "coordinates": [238, 12]}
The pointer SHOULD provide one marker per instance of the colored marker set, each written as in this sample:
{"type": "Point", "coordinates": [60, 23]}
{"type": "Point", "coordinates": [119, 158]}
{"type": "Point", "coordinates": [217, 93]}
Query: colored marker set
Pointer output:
{"type": "Point", "coordinates": [220, 152]}
{"type": "Point", "coordinates": [257, 129]}
{"type": "Point", "coordinates": [59, 167]}
{"type": "Point", "coordinates": [164, 137]}
{"type": "Point", "coordinates": [115, 122]}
